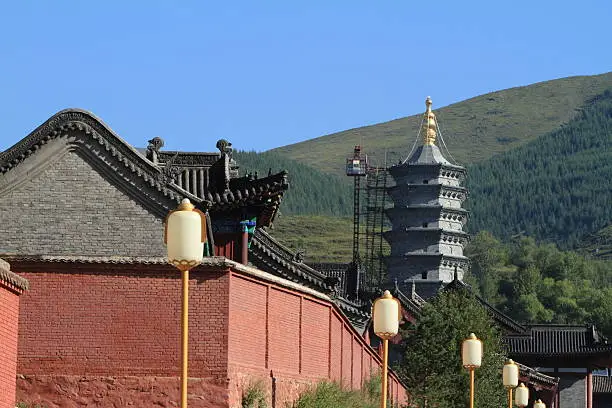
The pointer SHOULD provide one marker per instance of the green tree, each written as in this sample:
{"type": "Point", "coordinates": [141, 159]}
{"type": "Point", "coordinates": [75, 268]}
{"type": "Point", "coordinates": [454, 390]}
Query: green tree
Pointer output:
{"type": "Point", "coordinates": [488, 257]}
{"type": "Point", "coordinates": [432, 367]}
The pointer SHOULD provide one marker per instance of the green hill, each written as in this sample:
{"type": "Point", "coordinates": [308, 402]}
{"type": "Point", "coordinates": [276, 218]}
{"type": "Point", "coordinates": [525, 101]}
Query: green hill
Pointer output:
{"type": "Point", "coordinates": [555, 188]}
{"type": "Point", "coordinates": [324, 239]}
{"type": "Point", "coordinates": [474, 130]}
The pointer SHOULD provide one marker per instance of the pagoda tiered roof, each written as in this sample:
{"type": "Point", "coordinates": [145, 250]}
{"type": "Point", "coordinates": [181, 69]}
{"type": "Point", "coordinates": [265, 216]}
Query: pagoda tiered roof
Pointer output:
{"type": "Point", "coordinates": [443, 232]}
{"type": "Point", "coordinates": [429, 186]}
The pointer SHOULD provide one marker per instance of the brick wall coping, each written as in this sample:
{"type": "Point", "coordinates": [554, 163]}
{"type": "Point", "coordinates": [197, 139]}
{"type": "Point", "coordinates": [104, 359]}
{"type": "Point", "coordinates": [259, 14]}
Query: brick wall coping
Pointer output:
{"type": "Point", "coordinates": [249, 270]}
{"type": "Point", "coordinates": [12, 278]}
{"type": "Point", "coordinates": [213, 261]}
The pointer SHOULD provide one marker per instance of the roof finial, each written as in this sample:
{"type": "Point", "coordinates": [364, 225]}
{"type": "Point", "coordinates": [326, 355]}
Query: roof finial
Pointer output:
{"type": "Point", "coordinates": [429, 130]}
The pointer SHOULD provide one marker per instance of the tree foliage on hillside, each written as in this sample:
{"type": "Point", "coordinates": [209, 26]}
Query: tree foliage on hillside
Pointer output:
{"type": "Point", "coordinates": [311, 191]}
{"type": "Point", "coordinates": [432, 366]}
{"type": "Point", "coordinates": [540, 283]}
{"type": "Point", "coordinates": [556, 188]}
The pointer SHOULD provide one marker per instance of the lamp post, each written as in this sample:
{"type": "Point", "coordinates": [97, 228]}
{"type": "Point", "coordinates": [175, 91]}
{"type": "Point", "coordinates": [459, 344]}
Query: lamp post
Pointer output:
{"type": "Point", "coordinates": [510, 376]}
{"type": "Point", "coordinates": [184, 235]}
{"type": "Point", "coordinates": [539, 404]}
{"type": "Point", "coordinates": [521, 396]}
{"type": "Point", "coordinates": [471, 354]}
{"type": "Point", "coordinates": [386, 315]}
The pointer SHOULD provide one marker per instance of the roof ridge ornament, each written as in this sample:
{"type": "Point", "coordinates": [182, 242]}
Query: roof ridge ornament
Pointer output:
{"type": "Point", "coordinates": [153, 149]}
{"type": "Point", "coordinates": [429, 128]}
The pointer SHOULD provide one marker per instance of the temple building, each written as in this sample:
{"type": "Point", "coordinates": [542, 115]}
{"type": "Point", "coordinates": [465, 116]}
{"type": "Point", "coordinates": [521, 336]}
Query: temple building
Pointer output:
{"type": "Point", "coordinates": [82, 219]}
{"type": "Point", "coordinates": [427, 218]}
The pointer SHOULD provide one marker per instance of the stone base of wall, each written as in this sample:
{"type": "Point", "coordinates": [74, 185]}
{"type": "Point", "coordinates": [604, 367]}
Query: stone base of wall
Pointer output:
{"type": "Point", "coordinates": [114, 392]}
{"type": "Point", "coordinates": [281, 389]}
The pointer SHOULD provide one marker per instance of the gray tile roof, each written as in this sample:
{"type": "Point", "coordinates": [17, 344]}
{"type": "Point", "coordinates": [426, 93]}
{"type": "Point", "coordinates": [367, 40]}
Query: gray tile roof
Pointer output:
{"type": "Point", "coordinates": [427, 154]}
{"type": "Point", "coordinates": [559, 340]}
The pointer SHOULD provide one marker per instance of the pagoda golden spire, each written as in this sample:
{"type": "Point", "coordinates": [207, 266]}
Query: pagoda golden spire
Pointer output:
{"type": "Point", "coordinates": [429, 130]}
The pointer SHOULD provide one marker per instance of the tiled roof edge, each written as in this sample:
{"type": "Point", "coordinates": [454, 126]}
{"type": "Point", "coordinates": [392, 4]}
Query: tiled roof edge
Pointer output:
{"type": "Point", "coordinates": [12, 278]}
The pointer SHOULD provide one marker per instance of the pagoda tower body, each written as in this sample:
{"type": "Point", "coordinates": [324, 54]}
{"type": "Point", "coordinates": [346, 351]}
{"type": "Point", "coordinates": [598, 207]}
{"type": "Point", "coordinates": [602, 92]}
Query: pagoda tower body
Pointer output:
{"type": "Point", "coordinates": [427, 218]}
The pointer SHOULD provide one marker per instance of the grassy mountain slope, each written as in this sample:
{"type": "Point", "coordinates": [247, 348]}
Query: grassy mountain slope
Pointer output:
{"type": "Point", "coordinates": [324, 239]}
{"type": "Point", "coordinates": [474, 130]}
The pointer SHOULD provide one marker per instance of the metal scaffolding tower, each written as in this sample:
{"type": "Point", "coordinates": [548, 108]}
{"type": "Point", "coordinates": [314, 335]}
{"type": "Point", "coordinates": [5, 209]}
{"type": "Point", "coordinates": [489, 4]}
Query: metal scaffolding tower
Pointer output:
{"type": "Point", "coordinates": [356, 167]}
{"type": "Point", "coordinates": [376, 192]}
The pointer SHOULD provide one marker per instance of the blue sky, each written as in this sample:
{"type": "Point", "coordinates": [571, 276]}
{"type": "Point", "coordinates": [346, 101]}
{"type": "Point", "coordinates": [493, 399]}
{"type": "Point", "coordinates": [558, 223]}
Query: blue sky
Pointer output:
{"type": "Point", "coordinates": [264, 74]}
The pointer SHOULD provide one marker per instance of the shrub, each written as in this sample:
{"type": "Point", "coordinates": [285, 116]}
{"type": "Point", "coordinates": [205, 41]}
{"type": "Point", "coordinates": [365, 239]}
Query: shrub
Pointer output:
{"type": "Point", "coordinates": [254, 396]}
{"type": "Point", "coordinates": [332, 395]}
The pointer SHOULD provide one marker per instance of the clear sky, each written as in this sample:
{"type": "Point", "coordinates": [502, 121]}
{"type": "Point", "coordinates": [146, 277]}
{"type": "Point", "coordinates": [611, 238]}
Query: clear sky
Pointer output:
{"type": "Point", "coordinates": [264, 74]}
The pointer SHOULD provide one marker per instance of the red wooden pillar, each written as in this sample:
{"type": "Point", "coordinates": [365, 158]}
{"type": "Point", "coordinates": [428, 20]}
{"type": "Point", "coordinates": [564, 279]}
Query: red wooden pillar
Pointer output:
{"type": "Point", "coordinates": [244, 259]}
{"type": "Point", "coordinates": [589, 389]}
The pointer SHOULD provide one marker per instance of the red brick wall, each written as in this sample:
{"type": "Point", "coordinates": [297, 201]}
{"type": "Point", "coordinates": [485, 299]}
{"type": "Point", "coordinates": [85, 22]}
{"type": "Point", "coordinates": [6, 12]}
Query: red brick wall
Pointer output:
{"type": "Point", "coordinates": [9, 314]}
{"type": "Point", "coordinates": [96, 321]}
{"type": "Point", "coordinates": [304, 337]}
{"type": "Point", "coordinates": [101, 330]}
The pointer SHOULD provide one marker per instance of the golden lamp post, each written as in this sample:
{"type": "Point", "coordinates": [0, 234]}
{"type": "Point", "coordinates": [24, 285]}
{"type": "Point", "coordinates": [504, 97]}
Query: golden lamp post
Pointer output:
{"type": "Point", "coordinates": [521, 396]}
{"type": "Point", "coordinates": [184, 235]}
{"type": "Point", "coordinates": [386, 315]}
{"type": "Point", "coordinates": [510, 377]}
{"type": "Point", "coordinates": [471, 354]}
{"type": "Point", "coordinates": [539, 404]}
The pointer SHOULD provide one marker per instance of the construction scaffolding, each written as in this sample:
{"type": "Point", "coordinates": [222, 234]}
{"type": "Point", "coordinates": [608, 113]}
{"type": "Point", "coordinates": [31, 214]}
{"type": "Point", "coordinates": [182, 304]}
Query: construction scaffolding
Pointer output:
{"type": "Point", "coordinates": [376, 194]}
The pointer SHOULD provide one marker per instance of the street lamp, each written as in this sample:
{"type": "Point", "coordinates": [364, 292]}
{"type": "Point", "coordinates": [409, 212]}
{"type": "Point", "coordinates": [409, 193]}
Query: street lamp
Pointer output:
{"type": "Point", "coordinates": [386, 315]}
{"type": "Point", "coordinates": [521, 396]}
{"type": "Point", "coordinates": [184, 235]}
{"type": "Point", "coordinates": [471, 354]}
{"type": "Point", "coordinates": [510, 377]}
{"type": "Point", "coordinates": [539, 404]}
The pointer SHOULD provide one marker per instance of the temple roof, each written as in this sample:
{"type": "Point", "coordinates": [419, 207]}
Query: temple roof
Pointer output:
{"type": "Point", "coordinates": [269, 254]}
{"type": "Point", "coordinates": [426, 289]}
{"type": "Point", "coordinates": [534, 376]}
{"type": "Point", "coordinates": [558, 340]}
{"type": "Point", "coordinates": [209, 180]}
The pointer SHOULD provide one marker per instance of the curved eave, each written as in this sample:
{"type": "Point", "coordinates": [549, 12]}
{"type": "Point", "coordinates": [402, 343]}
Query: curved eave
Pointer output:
{"type": "Point", "coordinates": [406, 167]}
{"type": "Point", "coordinates": [400, 233]}
{"type": "Point", "coordinates": [425, 187]}
{"type": "Point", "coordinates": [444, 257]}
{"type": "Point", "coordinates": [266, 193]}
{"type": "Point", "coordinates": [536, 377]}
{"type": "Point", "coordinates": [56, 125]}
{"type": "Point", "coordinates": [409, 304]}
{"type": "Point", "coordinates": [430, 207]}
